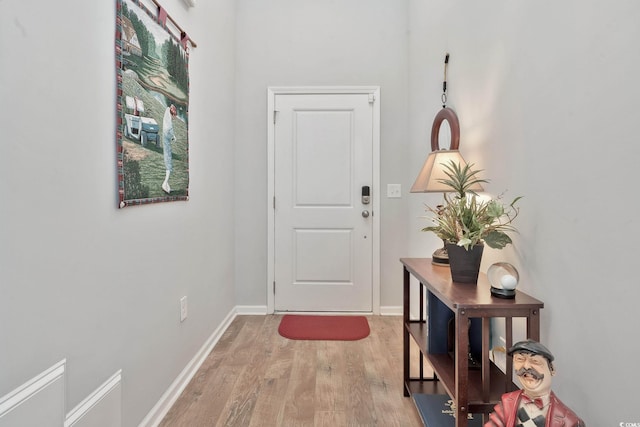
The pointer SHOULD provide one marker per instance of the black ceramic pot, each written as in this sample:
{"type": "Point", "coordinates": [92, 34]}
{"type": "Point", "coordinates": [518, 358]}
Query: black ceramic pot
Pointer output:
{"type": "Point", "coordinates": [464, 264]}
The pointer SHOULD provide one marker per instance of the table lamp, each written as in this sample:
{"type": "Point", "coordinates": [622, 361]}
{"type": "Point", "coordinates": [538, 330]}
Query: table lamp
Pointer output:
{"type": "Point", "coordinates": [432, 174]}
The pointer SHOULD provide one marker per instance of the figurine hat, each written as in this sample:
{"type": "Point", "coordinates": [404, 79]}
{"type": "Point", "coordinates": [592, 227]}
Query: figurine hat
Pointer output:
{"type": "Point", "coordinates": [533, 347]}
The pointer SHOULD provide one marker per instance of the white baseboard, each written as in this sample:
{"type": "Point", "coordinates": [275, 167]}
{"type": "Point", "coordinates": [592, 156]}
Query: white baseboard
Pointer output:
{"type": "Point", "coordinates": [104, 405]}
{"type": "Point", "coordinates": [391, 310]}
{"type": "Point", "coordinates": [251, 309]}
{"type": "Point", "coordinates": [157, 413]}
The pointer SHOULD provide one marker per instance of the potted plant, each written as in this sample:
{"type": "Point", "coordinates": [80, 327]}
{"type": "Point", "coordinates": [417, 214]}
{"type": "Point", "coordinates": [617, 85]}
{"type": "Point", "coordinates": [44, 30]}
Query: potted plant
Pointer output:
{"type": "Point", "coordinates": [465, 222]}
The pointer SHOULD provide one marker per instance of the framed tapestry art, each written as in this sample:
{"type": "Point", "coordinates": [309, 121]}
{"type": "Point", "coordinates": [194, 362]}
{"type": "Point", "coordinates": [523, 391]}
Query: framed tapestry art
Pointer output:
{"type": "Point", "coordinates": [152, 67]}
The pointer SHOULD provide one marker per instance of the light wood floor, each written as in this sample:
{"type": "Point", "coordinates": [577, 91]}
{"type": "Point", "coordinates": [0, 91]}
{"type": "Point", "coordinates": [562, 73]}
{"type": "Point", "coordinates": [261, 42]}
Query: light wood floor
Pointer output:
{"type": "Point", "coordinates": [255, 377]}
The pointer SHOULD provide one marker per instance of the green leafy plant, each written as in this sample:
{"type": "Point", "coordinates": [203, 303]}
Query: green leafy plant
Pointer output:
{"type": "Point", "coordinates": [467, 220]}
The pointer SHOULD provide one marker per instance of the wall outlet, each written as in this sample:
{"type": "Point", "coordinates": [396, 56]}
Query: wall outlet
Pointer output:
{"type": "Point", "coordinates": [183, 308]}
{"type": "Point", "coordinates": [394, 191]}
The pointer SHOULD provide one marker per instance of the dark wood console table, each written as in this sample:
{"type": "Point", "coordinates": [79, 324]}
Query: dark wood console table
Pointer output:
{"type": "Point", "coordinates": [472, 390]}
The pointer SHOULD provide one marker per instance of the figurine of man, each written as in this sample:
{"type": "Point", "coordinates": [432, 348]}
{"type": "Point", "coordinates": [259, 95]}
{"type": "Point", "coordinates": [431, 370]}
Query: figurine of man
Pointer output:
{"type": "Point", "coordinates": [535, 405]}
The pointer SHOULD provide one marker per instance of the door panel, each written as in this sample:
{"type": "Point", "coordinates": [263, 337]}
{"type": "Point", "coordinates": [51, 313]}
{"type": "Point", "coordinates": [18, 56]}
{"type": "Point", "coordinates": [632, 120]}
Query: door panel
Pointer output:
{"type": "Point", "coordinates": [331, 268]}
{"type": "Point", "coordinates": [322, 135]}
{"type": "Point", "coordinates": [322, 242]}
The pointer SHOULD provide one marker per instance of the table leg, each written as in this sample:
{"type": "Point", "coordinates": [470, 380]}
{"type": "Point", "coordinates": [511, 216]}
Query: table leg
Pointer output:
{"type": "Point", "coordinates": [533, 325]}
{"type": "Point", "coordinates": [508, 323]}
{"type": "Point", "coordinates": [405, 332]}
{"type": "Point", "coordinates": [462, 367]}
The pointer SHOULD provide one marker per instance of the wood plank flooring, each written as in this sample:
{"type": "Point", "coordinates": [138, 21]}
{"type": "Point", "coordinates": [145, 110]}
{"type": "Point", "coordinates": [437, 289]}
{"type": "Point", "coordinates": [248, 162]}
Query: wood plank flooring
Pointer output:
{"type": "Point", "coordinates": [255, 377]}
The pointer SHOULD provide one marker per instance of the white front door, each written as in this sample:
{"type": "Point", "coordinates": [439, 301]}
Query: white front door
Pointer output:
{"type": "Point", "coordinates": [323, 229]}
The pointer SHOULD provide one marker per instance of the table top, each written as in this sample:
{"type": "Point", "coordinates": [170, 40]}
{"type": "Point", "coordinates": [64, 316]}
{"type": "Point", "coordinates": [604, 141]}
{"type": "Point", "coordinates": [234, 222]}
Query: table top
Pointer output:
{"type": "Point", "coordinates": [456, 295]}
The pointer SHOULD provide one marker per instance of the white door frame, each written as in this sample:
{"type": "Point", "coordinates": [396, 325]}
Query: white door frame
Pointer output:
{"type": "Point", "coordinates": [375, 193]}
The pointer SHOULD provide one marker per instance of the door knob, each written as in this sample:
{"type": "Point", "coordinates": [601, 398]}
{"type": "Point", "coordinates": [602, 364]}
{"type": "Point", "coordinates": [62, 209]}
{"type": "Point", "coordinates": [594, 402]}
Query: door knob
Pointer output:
{"type": "Point", "coordinates": [365, 214]}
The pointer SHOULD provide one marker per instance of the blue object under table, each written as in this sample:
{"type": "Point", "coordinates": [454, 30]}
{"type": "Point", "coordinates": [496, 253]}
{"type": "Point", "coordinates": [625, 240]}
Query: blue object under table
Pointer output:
{"type": "Point", "coordinates": [436, 411]}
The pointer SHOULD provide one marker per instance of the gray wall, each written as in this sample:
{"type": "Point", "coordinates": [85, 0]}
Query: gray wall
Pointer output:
{"type": "Point", "coordinates": [546, 93]}
{"type": "Point", "coordinates": [312, 43]}
{"type": "Point", "coordinates": [81, 279]}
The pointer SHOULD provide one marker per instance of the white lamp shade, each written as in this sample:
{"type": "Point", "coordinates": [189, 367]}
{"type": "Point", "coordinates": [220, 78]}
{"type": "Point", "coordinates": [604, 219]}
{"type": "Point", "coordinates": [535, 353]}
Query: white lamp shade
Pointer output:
{"type": "Point", "coordinates": [433, 171]}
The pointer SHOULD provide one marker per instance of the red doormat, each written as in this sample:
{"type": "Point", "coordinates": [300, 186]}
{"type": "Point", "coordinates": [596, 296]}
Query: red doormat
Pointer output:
{"type": "Point", "coordinates": [334, 328]}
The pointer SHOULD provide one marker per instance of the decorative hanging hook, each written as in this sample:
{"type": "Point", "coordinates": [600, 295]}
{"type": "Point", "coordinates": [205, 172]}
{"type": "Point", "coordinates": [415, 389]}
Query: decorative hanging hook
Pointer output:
{"type": "Point", "coordinates": [163, 16]}
{"type": "Point", "coordinates": [444, 82]}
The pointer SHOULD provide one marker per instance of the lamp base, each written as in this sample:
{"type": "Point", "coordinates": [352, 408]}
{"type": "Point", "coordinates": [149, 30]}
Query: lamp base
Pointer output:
{"type": "Point", "coordinates": [440, 257]}
{"type": "Point", "coordinates": [503, 293]}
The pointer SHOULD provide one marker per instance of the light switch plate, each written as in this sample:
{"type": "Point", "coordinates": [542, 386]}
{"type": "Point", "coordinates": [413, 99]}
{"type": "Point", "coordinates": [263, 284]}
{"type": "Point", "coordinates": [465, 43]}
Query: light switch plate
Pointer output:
{"type": "Point", "coordinates": [394, 191]}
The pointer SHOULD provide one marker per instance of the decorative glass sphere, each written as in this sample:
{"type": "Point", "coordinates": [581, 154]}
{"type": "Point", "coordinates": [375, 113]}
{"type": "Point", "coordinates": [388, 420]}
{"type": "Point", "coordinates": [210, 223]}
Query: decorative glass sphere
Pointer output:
{"type": "Point", "coordinates": [503, 278]}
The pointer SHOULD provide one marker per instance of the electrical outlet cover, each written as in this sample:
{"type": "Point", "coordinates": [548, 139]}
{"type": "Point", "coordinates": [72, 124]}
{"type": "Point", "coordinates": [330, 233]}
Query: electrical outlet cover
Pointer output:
{"type": "Point", "coordinates": [183, 308]}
